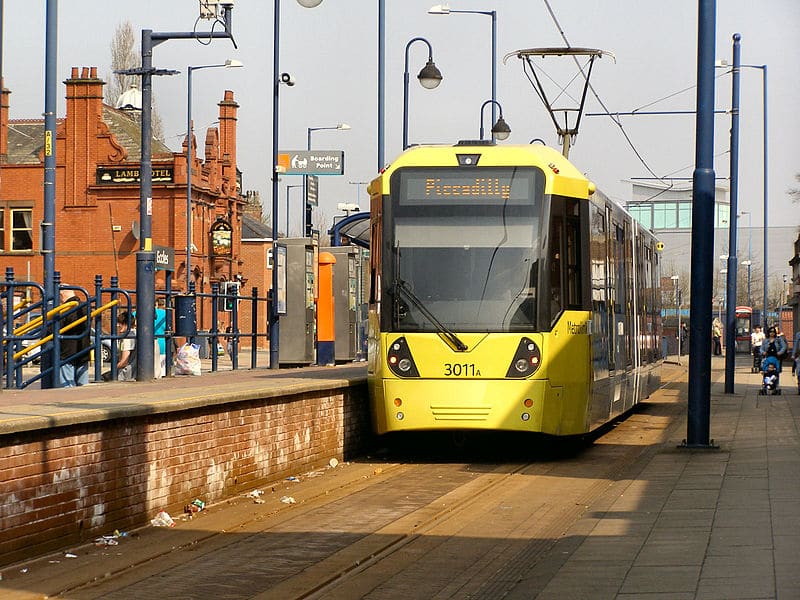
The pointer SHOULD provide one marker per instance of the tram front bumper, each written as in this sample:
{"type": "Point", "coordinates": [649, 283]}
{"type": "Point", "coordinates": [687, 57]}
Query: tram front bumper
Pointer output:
{"type": "Point", "coordinates": [530, 405]}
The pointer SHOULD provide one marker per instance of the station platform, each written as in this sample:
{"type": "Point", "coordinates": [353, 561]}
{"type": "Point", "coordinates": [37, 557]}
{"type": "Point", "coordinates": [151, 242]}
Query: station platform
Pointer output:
{"type": "Point", "coordinates": [702, 524]}
{"type": "Point", "coordinates": [32, 409]}
{"type": "Point", "coordinates": [710, 524]}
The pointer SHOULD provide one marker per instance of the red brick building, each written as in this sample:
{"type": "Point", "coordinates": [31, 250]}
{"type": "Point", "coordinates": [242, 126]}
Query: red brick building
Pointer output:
{"type": "Point", "coordinates": [97, 195]}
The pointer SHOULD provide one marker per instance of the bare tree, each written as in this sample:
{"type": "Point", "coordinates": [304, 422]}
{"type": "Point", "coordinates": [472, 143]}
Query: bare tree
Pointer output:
{"type": "Point", "coordinates": [124, 55]}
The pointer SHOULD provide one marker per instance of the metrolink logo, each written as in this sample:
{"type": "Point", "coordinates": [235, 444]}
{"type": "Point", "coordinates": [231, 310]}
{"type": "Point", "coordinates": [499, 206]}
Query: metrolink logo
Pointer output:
{"type": "Point", "coordinates": [578, 328]}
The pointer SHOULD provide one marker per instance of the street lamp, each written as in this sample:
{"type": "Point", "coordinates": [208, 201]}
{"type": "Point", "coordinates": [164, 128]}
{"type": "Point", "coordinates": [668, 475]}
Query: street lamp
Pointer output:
{"type": "Point", "coordinates": [429, 77]}
{"type": "Point", "coordinates": [675, 279]}
{"type": "Point", "coordinates": [444, 9]}
{"type": "Point", "coordinates": [765, 145]}
{"type": "Point", "coordinates": [358, 185]}
{"type": "Point", "coordinates": [288, 187]}
{"type": "Point", "coordinates": [307, 225]}
{"type": "Point", "coordinates": [228, 64]}
{"type": "Point", "coordinates": [274, 320]}
{"type": "Point", "coordinates": [500, 129]}
{"type": "Point", "coordinates": [145, 257]}
{"type": "Point", "coordinates": [749, 262]}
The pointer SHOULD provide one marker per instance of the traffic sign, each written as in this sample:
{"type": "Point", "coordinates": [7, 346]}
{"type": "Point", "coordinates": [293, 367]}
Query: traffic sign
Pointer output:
{"type": "Point", "coordinates": [311, 162]}
{"type": "Point", "coordinates": [312, 185]}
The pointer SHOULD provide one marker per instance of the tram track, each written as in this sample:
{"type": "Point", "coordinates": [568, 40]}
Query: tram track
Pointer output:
{"type": "Point", "coordinates": [511, 560]}
{"type": "Point", "coordinates": [365, 528]}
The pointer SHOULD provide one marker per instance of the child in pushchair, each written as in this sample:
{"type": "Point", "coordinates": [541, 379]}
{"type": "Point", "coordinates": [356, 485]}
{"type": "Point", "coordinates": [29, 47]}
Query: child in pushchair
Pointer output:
{"type": "Point", "coordinates": [771, 377]}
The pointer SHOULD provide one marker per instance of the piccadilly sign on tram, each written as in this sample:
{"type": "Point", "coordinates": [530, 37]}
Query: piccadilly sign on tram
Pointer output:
{"type": "Point", "coordinates": [311, 162]}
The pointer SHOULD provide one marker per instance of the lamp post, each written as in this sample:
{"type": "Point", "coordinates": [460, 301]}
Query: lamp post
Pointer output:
{"type": "Point", "coordinates": [500, 129]}
{"type": "Point", "coordinates": [444, 9]}
{"type": "Point", "coordinates": [288, 187]}
{"type": "Point", "coordinates": [429, 77]}
{"type": "Point", "coordinates": [749, 262]}
{"type": "Point", "coordinates": [230, 63]}
{"type": "Point", "coordinates": [766, 182]}
{"type": "Point", "coordinates": [307, 224]}
{"type": "Point", "coordinates": [765, 145]}
{"type": "Point", "coordinates": [145, 257]}
{"type": "Point", "coordinates": [274, 320]}
{"type": "Point", "coordinates": [358, 185]}
{"type": "Point", "coordinates": [675, 279]}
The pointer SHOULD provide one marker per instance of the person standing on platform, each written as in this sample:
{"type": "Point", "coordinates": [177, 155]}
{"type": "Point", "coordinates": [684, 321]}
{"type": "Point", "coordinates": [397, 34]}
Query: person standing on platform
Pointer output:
{"type": "Point", "coordinates": [684, 337]}
{"type": "Point", "coordinates": [159, 328]}
{"type": "Point", "coordinates": [74, 369]}
{"type": "Point", "coordinates": [716, 334]}
{"type": "Point", "coordinates": [756, 339]}
{"type": "Point", "coordinates": [126, 365]}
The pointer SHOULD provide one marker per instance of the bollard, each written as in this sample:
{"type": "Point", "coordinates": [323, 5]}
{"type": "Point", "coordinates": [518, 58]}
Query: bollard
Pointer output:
{"type": "Point", "coordinates": [326, 331]}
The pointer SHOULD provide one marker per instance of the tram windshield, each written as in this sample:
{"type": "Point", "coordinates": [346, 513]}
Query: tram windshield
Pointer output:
{"type": "Point", "coordinates": [467, 243]}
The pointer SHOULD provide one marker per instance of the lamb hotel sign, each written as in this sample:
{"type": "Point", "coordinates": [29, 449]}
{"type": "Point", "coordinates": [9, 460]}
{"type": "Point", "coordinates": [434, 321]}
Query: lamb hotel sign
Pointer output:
{"type": "Point", "coordinates": [123, 175]}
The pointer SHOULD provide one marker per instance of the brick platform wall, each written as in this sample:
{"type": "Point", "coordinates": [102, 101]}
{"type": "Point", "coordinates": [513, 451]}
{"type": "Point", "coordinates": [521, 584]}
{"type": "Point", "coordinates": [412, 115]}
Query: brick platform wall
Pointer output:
{"type": "Point", "coordinates": [68, 485]}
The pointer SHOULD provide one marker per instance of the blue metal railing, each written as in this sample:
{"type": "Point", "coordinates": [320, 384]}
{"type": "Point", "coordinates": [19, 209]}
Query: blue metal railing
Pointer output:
{"type": "Point", "coordinates": [29, 335]}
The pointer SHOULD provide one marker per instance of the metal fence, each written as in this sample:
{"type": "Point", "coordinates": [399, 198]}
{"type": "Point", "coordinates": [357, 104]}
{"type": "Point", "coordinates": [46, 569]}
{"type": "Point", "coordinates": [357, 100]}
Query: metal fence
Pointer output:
{"type": "Point", "coordinates": [33, 331]}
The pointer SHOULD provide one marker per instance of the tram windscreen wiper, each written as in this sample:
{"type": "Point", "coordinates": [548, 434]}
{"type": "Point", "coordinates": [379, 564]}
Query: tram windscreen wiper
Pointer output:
{"type": "Point", "coordinates": [452, 337]}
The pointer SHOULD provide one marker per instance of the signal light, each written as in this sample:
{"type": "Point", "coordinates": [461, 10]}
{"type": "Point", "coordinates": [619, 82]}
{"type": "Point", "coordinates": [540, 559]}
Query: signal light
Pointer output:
{"type": "Point", "coordinates": [230, 293]}
{"type": "Point", "coordinates": [400, 360]}
{"type": "Point", "coordinates": [526, 359]}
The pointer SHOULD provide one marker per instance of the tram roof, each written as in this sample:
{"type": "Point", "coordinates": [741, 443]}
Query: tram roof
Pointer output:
{"type": "Point", "coordinates": [555, 166]}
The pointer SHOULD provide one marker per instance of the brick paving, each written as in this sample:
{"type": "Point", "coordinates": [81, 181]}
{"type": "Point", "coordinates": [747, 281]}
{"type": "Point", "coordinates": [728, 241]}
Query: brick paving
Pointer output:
{"type": "Point", "coordinates": [679, 524]}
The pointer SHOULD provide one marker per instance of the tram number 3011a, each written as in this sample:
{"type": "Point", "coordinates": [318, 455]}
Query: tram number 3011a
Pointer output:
{"type": "Point", "coordinates": [461, 370]}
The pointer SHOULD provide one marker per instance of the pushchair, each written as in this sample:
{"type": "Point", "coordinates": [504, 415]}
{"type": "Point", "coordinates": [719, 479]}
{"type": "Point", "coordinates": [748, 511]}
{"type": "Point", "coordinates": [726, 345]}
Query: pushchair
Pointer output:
{"type": "Point", "coordinates": [796, 371]}
{"type": "Point", "coordinates": [756, 359]}
{"type": "Point", "coordinates": [770, 376]}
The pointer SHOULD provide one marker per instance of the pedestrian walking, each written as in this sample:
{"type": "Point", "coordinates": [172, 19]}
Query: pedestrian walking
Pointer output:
{"type": "Point", "coordinates": [756, 339]}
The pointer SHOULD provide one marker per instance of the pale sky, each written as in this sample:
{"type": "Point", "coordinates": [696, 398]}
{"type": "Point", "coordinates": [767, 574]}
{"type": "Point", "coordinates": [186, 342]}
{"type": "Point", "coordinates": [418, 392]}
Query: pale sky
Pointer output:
{"type": "Point", "coordinates": [332, 53]}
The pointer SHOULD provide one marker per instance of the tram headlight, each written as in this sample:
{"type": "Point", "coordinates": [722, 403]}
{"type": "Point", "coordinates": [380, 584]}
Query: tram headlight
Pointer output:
{"type": "Point", "coordinates": [399, 359]}
{"type": "Point", "coordinates": [526, 359]}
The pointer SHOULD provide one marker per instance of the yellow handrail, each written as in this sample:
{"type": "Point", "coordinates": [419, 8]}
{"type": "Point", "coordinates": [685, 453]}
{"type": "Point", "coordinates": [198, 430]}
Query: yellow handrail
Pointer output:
{"type": "Point", "coordinates": [67, 327]}
{"type": "Point", "coordinates": [34, 323]}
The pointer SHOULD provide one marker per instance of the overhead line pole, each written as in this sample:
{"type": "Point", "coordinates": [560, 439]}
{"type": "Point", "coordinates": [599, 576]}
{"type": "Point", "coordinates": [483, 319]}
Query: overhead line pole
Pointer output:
{"type": "Point", "coordinates": [733, 223]}
{"type": "Point", "coordinates": [702, 253]}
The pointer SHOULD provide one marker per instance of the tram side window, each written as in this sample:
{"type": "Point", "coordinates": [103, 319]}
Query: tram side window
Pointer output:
{"type": "Point", "coordinates": [555, 268]}
{"type": "Point", "coordinates": [568, 290]}
{"type": "Point", "coordinates": [573, 264]}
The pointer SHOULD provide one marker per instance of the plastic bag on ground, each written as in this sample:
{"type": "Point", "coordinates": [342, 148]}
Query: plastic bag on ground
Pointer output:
{"type": "Point", "coordinates": [162, 520]}
{"type": "Point", "coordinates": [187, 361]}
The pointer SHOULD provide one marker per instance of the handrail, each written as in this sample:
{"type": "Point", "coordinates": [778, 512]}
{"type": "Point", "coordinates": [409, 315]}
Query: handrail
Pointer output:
{"type": "Point", "coordinates": [44, 340]}
{"type": "Point", "coordinates": [37, 322]}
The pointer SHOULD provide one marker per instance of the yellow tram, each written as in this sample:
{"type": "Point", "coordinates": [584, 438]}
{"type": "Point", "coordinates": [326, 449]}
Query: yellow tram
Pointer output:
{"type": "Point", "coordinates": [506, 293]}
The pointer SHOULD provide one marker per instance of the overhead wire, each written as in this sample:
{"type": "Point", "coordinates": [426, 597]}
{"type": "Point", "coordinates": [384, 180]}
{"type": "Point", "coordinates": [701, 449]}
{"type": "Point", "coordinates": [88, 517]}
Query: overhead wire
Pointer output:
{"type": "Point", "coordinates": [616, 120]}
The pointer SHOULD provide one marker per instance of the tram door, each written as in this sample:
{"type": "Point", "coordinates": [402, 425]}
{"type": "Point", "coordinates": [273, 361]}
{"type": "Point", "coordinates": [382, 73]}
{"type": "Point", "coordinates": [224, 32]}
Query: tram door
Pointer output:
{"type": "Point", "coordinates": [619, 334]}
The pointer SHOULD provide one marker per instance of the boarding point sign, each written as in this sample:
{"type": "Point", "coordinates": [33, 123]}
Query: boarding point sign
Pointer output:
{"type": "Point", "coordinates": [311, 162]}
